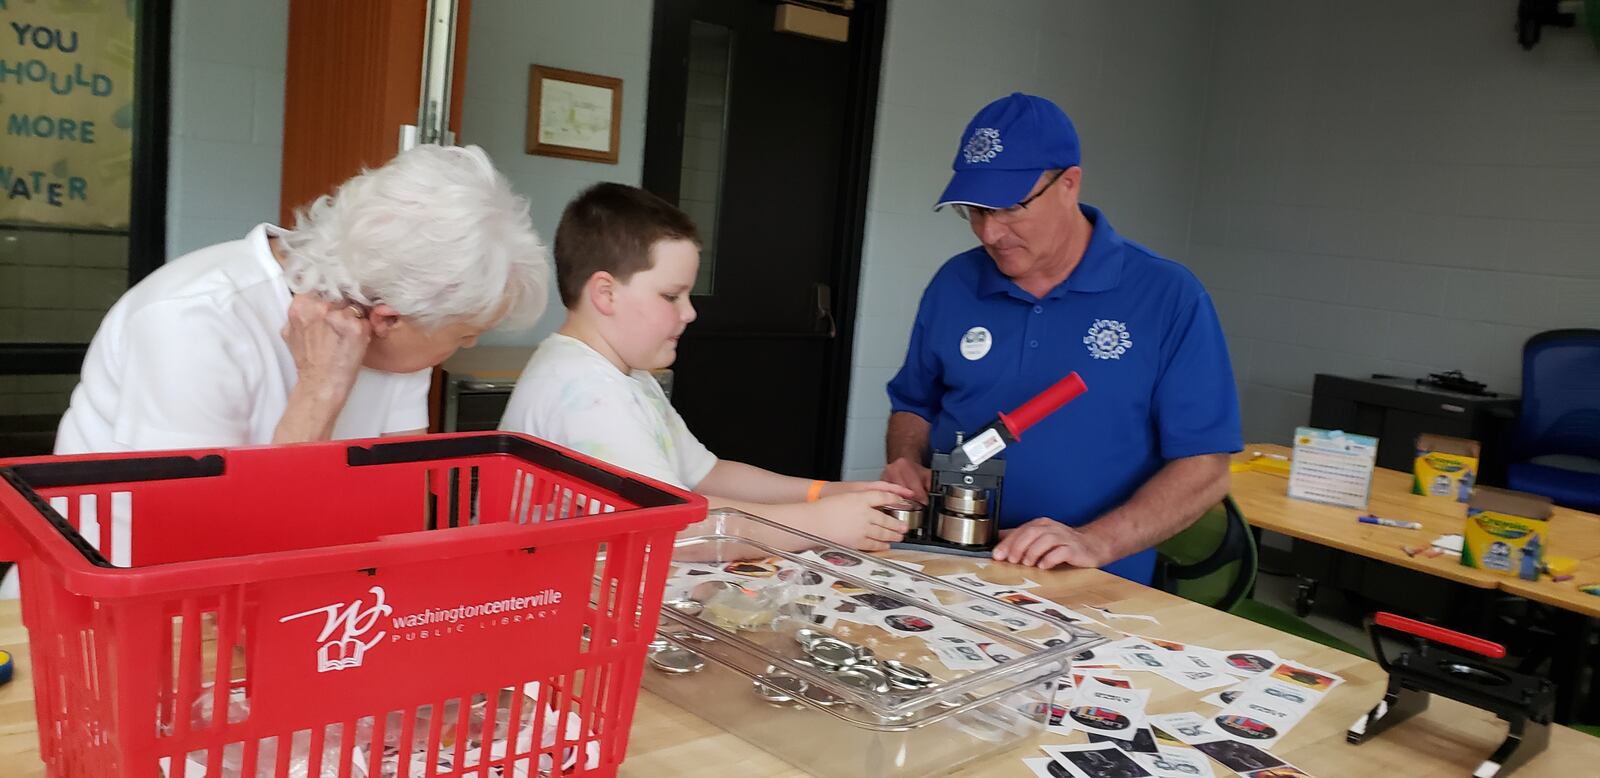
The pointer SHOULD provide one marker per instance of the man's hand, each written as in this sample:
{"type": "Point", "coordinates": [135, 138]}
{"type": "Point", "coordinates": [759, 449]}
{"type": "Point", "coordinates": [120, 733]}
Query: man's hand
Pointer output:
{"type": "Point", "coordinates": [1046, 543]}
{"type": "Point", "coordinates": [911, 475]}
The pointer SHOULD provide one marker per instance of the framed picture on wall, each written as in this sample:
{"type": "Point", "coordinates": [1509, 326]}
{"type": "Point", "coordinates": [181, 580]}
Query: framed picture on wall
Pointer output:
{"type": "Point", "coordinates": [574, 115]}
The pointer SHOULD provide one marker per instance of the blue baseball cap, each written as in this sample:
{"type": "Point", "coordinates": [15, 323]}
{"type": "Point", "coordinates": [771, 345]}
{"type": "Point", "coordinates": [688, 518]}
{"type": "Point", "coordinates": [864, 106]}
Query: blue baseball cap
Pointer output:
{"type": "Point", "coordinates": [1006, 147]}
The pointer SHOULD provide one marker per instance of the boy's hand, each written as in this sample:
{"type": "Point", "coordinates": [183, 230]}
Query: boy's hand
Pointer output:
{"type": "Point", "coordinates": [853, 519]}
{"type": "Point", "coordinates": [846, 487]}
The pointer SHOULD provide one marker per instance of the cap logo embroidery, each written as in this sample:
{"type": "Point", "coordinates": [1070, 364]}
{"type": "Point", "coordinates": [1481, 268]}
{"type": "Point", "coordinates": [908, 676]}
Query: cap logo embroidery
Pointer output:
{"type": "Point", "coordinates": [983, 145]}
{"type": "Point", "coordinates": [1108, 339]}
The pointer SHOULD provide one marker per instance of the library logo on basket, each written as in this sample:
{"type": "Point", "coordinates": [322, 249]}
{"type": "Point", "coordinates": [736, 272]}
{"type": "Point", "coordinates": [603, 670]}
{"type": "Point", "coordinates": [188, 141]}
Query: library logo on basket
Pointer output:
{"type": "Point", "coordinates": [351, 629]}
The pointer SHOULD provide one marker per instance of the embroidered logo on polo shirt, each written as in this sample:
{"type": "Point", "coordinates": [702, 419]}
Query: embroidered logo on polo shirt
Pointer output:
{"type": "Point", "coordinates": [1108, 339]}
{"type": "Point", "coordinates": [975, 344]}
{"type": "Point", "coordinates": [983, 145]}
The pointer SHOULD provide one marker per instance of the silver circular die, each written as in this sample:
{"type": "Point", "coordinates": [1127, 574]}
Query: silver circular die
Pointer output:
{"type": "Point", "coordinates": [805, 636]}
{"type": "Point", "coordinates": [832, 653]}
{"type": "Point", "coordinates": [686, 606]}
{"type": "Point", "coordinates": [779, 688]}
{"type": "Point", "coordinates": [904, 676]}
{"type": "Point", "coordinates": [677, 661]}
{"type": "Point", "coordinates": [867, 679]}
{"type": "Point", "coordinates": [704, 591]}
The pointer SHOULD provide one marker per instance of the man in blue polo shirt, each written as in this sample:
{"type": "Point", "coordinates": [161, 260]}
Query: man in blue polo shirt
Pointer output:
{"type": "Point", "coordinates": [1053, 289]}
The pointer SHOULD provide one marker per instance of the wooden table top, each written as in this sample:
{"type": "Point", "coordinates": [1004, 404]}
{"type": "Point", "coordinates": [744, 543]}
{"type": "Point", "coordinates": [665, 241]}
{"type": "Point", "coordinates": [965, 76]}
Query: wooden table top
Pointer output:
{"type": "Point", "coordinates": [666, 740]}
{"type": "Point", "coordinates": [1264, 500]}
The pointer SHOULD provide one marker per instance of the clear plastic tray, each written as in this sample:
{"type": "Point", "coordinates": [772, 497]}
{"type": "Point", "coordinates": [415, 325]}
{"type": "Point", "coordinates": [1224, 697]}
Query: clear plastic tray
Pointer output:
{"type": "Point", "coordinates": [730, 651]}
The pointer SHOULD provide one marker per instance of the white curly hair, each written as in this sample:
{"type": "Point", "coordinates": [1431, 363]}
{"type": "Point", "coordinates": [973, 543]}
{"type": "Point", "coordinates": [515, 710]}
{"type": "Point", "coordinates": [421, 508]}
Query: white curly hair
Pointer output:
{"type": "Point", "coordinates": [436, 233]}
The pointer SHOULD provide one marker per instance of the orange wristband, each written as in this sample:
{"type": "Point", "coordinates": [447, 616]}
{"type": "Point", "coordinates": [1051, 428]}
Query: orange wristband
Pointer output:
{"type": "Point", "coordinates": [815, 492]}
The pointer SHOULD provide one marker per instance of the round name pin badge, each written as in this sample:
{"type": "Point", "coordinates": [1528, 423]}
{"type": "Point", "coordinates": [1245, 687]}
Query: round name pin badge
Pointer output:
{"type": "Point", "coordinates": [975, 343]}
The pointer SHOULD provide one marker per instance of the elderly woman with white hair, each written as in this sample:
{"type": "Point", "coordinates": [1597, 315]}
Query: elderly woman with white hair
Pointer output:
{"type": "Point", "coordinates": [324, 332]}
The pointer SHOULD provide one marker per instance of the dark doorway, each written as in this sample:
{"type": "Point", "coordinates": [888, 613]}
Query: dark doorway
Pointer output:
{"type": "Point", "coordinates": [765, 138]}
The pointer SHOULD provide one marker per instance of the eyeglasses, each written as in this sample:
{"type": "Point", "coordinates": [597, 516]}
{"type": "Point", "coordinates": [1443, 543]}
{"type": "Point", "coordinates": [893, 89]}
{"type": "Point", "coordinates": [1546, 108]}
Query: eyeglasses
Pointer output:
{"type": "Point", "coordinates": [973, 213]}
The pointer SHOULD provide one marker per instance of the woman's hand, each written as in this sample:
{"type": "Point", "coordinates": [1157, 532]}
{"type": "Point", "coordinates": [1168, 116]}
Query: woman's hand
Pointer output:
{"type": "Point", "coordinates": [328, 341]}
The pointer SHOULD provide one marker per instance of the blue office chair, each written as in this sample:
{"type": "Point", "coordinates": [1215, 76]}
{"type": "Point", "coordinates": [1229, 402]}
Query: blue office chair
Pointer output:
{"type": "Point", "coordinates": [1556, 449]}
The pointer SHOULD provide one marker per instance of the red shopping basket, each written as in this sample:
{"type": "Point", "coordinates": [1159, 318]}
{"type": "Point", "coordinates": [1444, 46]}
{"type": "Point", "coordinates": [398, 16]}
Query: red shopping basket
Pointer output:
{"type": "Point", "coordinates": [475, 604]}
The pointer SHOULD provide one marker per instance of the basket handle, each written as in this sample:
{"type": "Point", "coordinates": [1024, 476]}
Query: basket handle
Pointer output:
{"type": "Point", "coordinates": [13, 548]}
{"type": "Point", "coordinates": [464, 539]}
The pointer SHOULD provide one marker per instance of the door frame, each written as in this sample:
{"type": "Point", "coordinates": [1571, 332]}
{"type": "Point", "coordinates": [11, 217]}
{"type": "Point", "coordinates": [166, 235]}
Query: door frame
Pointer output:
{"type": "Point", "coordinates": [662, 173]}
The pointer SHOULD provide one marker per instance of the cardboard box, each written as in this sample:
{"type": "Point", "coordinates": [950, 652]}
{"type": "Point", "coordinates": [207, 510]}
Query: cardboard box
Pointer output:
{"type": "Point", "coordinates": [1445, 467]}
{"type": "Point", "coordinates": [1507, 532]}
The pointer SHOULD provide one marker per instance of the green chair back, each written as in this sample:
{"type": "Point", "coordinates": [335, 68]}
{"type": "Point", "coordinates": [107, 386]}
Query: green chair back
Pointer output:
{"type": "Point", "coordinates": [1213, 562]}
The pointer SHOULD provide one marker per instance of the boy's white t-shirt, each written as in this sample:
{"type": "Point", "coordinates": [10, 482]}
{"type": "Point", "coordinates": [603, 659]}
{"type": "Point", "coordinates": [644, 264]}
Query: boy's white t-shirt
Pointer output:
{"type": "Point", "coordinates": [571, 395]}
{"type": "Point", "coordinates": [193, 356]}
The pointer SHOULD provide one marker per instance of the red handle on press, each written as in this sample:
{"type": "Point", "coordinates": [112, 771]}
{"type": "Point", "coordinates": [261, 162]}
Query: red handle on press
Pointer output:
{"type": "Point", "coordinates": [1448, 637]}
{"type": "Point", "coordinates": [1043, 404]}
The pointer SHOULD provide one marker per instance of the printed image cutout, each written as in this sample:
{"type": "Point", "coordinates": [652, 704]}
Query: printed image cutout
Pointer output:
{"type": "Point", "coordinates": [1142, 742]}
{"type": "Point", "coordinates": [1017, 598]}
{"type": "Point", "coordinates": [1300, 676]}
{"type": "Point", "coordinates": [1056, 712]}
{"type": "Point", "coordinates": [879, 602]}
{"type": "Point", "coordinates": [1102, 761]}
{"type": "Point", "coordinates": [1045, 767]}
{"type": "Point", "coordinates": [1113, 681]}
{"type": "Point", "coordinates": [969, 653]}
{"type": "Point", "coordinates": [1290, 695]}
{"type": "Point", "coordinates": [757, 569]}
{"type": "Point", "coordinates": [1246, 727]}
{"type": "Point", "coordinates": [839, 558]}
{"type": "Point", "coordinates": [998, 653]}
{"type": "Point", "coordinates": [800, 577]}
{"type": "Point", "coordinates": [1170, 763]}
{"type": "Point", "coordinates": [1058, 615]}
{"type": "Point", "coordinates": [907, 622]}
{"type": "Point", "coordinates": [1239, 757]}
{"type": "Point", "coordinates": [1251, 663]}
{"type": "Point", "coordinates": [1101, 719]}
{"type": "Point", "coordinates": [1286, 771]}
